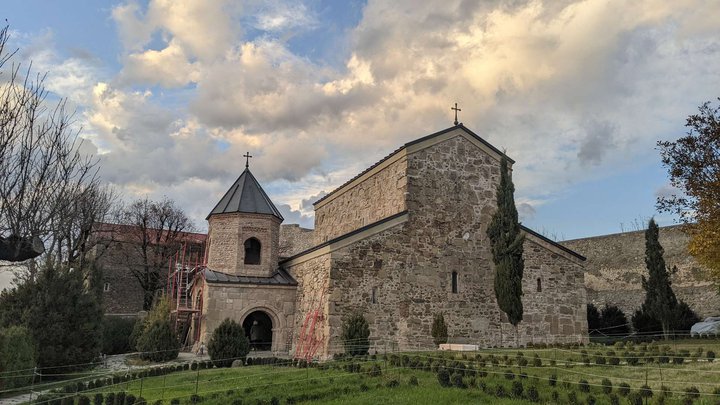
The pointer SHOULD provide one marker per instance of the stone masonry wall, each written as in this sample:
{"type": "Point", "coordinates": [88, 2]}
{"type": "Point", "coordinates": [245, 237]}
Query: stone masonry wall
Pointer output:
{"type": "Point", "coordinates": [237, 301]}
{"type": "Point", "coordinates": [294, 239]}
{"type": "Point", "coordinates": [125, 295]}
{"type": "Point", "coordinates": [615, 264]}
{"type": "Point", "coordinates": [227, 234]}
{"type": "Point", "coordinates": [313, 292]}
{"type": "Point", "coordinates": [378, 197]}
{"type": "Point", "coordinates": [451, 197]}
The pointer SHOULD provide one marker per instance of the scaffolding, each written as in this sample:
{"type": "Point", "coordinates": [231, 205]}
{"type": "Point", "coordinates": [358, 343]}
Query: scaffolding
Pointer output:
{"type": "Point", "coordinates": [182, 267]}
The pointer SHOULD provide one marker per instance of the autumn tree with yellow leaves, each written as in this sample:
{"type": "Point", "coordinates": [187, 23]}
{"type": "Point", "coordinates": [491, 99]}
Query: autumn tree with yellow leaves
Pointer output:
{"type": "Point", "coordinates": [693, 164]}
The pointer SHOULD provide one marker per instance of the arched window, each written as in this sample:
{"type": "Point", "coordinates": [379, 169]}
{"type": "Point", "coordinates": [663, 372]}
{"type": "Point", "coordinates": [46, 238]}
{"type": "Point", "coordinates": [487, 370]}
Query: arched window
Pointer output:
{"type": "Point", "coordinates": [454, 282]}
{"type": "Point", "coordinates": [539, 285]}
{"type": "Point", "coordinates": [252, 251]}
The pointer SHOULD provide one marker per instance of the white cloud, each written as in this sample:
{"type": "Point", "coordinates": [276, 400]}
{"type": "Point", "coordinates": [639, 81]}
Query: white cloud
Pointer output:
{"type": "Point", "coordinates": [573, 90]}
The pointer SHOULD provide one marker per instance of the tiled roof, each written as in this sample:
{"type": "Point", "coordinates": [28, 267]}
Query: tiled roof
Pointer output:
{"type": "Point", "coordinates": [246, 195]}
{"type": "Point", "coordinates": [280, 277]}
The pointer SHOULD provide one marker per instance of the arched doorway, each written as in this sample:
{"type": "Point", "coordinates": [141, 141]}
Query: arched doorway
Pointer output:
{"type": "Point", "coordinates": [258, 329]}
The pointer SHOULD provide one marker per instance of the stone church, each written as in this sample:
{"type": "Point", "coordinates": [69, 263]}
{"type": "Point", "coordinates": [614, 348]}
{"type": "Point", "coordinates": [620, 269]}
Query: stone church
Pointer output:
{"type": "Point", "coordinates": [400, 242]}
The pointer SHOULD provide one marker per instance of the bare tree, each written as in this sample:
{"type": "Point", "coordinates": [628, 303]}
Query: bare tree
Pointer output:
{"type": "Point", "coordinates": [41, 166]}
{"type": "Point", "coordinates": [155, 234]}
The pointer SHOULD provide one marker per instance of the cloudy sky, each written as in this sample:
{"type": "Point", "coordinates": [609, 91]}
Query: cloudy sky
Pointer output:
{"type": "Point", "coordinates": [172, 93]}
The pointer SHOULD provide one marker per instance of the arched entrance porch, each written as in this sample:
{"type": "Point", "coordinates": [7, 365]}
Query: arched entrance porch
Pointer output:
{"type": "Point", "coordinates": [258, 328]}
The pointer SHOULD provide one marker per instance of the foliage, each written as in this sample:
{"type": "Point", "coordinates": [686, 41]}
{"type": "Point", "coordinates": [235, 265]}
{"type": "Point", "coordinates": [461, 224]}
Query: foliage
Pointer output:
{"type": "Point", "coordinates": [683, 319]}
{"type": "Point", "coordinates": [614, 321]}
{"type": "Point", "coordinates": [17, 352]}
{"type": "Point", "coordinates": [157, 229]}
{"type": "Point", "coordinates": [660, 301]}
{"type": "Point", "coordinates": [62, 314]}
{"type": "Point", "coordinates": [506, 242]}
{"type": "Point", "coordinates": [439, 329]}
{"type": "Point", "coordinates": [116, 334]}
{"type": "Point", "coordinates": [356, 334]}
{"type": "Point", "coordinates": [227, 343]}
{"type": "Point", "coordinates": [594, 320]}
{"type": "Point", "coordinates": [158, 341]}
{"type": "Point", "coordinates": [443, 377]}
{"type": "Point", "coordinates": [693, 164]}
{"type": "Point", "coordinates": [46, 179]}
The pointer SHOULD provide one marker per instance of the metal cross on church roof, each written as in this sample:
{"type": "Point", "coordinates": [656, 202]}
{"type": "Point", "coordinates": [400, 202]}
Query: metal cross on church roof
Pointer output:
{"type": "Point", "coordinates": [247, 157]}
{"type": "Point", "coordinates": [456, 111]}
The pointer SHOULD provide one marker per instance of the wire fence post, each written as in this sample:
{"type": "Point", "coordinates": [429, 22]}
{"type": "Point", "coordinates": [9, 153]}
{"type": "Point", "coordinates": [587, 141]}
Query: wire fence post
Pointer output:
{"type": "Point", "coordinates": [162, 394]}
{"type": "Point", "coordinates": [141, 387]}
{"type": "Point", "coordinates": [32, 384]}
{"type": "Point", "coordinates": [197, 379]}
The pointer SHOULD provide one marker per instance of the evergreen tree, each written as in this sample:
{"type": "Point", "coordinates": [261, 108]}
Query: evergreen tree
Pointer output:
{"type": "Point", "coordinates": [660, 301]}
{"type": "Point", "coordinates": [62, 313]}
{"type": "Point", "coordinates": [439, 329]}
{"type": "Point", "coordinates": [594, 320]}
{"type": "Point", "coordinates": [507, 248]}
{"type": "Point", "coordinates": [228, 343]}
{"type": "Point", "coordinates": [17, 356]}
{"type": "Point", "coordinates": [356, 334]}
{"type": "Point", "coordinates": [158, 340]}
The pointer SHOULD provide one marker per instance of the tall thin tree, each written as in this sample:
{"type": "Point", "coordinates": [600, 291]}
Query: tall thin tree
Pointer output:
{"type": "Point", "coordinates": [506, 242]}
{"type": "Point", "coordinates": [660, 300]}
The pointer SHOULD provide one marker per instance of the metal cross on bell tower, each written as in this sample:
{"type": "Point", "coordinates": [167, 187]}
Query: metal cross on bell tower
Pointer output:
{"type": "Point", "coordinates": [247, 157]}
{"type": "Point", "coordinates": [456, 111]}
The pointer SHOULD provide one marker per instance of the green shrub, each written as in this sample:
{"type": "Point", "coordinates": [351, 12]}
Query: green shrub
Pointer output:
{"type": "Point", "coordinates": [614, 399]}
{"type": "Point", "coordinates": [509, 375]}
{"type": "Point", "coordinates": [500, 391]}
{"type": "Point", "coordinates": [129, 399]}
{"type": "Point", "coordinates": [227, 343]}
{"type": "Point", "coordinates": [116, 333]}
{"type": "Point", "coordinates": [552, 380]}
{"type": "Point", "coordinates": [591, 400]}
{"type": "Point", "coordinates": [646, 391]}
{"type": "Point", "coordinates": [98, 399]}
{"type": "Point", "coordinates": [413, 381]}
{"type": "Point", "coordinates": [517, 389]}
{"type": "Point", "coordinates": [17, 356]}
{"type": "Point", "coordinates": [356, 334]}
{"type": "Point", "coordinates": [692, 393]}
{"type": "Point", "coordinates": [83, 400]}
{"type": "Point", "coordinates": [457, 380]}
{"type": "Point", "coordinates": [110, 398]}
{"type": "Point", "coordinates": [623, 389]}
{"type": "Point", "coordinates": [158, 341]}
{"type": "Point", "coordinates": [584, 386]}
{"type": "Point", "coordinates": [375, 370]}
{"type": "Point", "coordinates": [572, 398]}
{"type": "Point", "coordinates": [635, 398]}
{"type": "Point", "coordinates": [439, 330]}
{"type": "Point", "coordinates": [532, 394]}
{"type": "Point", "coordinates": [710, 355]}
{"type": "Point", "coordinates": [443, 377]}
{"type": "Point", "coordinates": [606, 386]}
{"type": "Point", "coordinates": [537, 362]}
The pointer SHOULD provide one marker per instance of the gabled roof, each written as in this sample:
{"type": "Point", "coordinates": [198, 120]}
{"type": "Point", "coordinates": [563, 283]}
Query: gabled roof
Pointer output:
{"type": "Point", "coordinates": [246, 195]}
{"type": "Point", "coordinates": [411, 143]}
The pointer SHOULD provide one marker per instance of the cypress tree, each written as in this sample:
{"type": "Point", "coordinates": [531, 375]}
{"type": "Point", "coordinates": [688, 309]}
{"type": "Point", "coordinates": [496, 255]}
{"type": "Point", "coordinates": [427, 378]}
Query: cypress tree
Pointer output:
{"type": "Point", "coordinates": [439, 329]}
{"type": "Point", "coordinates": [506, 242]}
{"type": "Point", "coordinates": [660, 300]}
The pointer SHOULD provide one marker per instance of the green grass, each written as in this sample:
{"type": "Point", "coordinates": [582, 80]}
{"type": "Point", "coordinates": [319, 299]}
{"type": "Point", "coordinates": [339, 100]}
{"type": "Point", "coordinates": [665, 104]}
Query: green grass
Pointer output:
{"type": "Point", "coordinates": [335, 385]}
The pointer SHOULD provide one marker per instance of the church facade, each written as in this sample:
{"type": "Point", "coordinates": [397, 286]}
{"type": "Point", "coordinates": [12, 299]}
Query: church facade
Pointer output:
{"type": "Point", "coordinates": [399, 243]}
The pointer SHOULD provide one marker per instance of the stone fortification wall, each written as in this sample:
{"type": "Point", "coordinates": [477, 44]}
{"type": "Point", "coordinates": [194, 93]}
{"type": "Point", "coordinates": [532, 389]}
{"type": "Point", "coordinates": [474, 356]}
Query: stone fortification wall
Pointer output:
{"type": "Point", "coordinates": [236, 302]}
{"type": "Point", "coordinates": [378, 196]}
{"type": "Point", "coordinates": [227, 234]}
{"type": "Point", "coordinates": [615, 264]}
{"type": "Point", "coordinates": [294, 239]}
{"type": "Point", "coordinates": [125, 295]}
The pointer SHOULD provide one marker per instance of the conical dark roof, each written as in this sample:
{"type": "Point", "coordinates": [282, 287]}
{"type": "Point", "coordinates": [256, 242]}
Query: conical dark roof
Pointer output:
{"type": "Point", "coordinates": [246, 196]}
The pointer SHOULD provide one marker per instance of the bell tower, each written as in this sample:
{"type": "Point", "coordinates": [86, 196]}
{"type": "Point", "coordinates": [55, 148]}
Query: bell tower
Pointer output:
{"type": "Point", "coordinates": [244, 230]}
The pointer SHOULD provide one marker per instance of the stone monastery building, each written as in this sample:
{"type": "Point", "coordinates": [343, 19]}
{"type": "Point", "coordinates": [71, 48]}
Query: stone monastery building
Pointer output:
{"type": "Point", "coordinates": [401, 242]}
